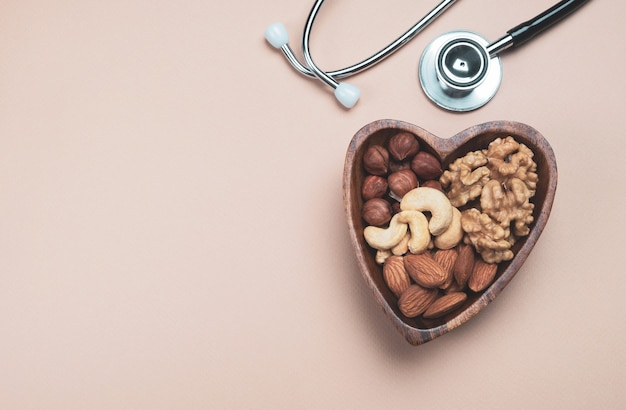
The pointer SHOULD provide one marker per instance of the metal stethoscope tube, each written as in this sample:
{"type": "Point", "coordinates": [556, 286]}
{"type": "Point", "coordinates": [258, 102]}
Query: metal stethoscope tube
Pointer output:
{"type": "Point", "coordinates": [348, 95]}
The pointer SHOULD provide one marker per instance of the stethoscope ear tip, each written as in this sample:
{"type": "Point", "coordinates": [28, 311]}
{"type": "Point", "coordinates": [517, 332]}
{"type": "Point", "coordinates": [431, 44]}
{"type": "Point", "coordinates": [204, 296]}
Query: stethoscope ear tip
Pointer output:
{"type": "Point", "coordinates": [347, 94]}
{"type": "Point", "coordinates": [276, 34]}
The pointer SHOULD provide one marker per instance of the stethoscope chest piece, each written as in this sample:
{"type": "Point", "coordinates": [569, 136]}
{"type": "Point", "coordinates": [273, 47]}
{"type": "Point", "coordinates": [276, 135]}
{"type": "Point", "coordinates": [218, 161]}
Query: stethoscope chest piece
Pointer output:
{"type": "Point", "coordinates": [457, 73]}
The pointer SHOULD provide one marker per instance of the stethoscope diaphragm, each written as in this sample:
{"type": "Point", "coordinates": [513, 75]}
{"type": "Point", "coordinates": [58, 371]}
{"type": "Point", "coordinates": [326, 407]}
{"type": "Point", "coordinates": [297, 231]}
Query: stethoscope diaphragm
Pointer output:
{"type": "Point", "coordinates": [457, 73]}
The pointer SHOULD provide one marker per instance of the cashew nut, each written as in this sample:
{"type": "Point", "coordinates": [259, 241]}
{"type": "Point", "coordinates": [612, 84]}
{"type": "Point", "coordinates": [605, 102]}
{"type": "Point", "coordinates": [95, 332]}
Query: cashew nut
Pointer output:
{"type": "Point", "coordinates": [402, 247]}
{"type": "Point", "coordinates": [418, 228]}
{"type": "Point", "coordinates": [407, 231]}
{"type": "Point", "coordinates": [386, 238]}
{"type": "Point", "coordinates": [453, 235]}
{"type": "Point", "coordinates": [433, 201]}
{"type": "Point", "coordinates": [382, 255]}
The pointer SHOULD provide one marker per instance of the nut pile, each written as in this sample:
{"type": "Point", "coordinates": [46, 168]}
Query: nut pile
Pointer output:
{"type": "Point", "coordinates": [439, 235]}
{"type": "Point", "coordinates": [495, 184]}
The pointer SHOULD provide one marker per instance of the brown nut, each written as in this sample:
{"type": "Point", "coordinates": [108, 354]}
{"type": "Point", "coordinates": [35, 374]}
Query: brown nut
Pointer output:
{"type": "Point", "coordinates": [490, 239]}
{"type": "Point", "coordinates": [446, 258]}
{"type": "Point", "coordinates": [454, 287]}
{"type": "Point", "coordinates": [415, 300]}
{"type": "Point", "coordinates": [402, 146]}
{"type": "Point", "coordinates": [464, 264]}
{"type": "Point", "coordinates": [395, 207]}
{"type": "Point", "coordinates": [445, 304]}
{"type": "Point", "coordinates": [377, 211]}
{"type": "Point", "coordinates": [482, 275]}
{"type": "Point", "coordinates": [426, 166]}
{"type": "Point", "coordinates": [402, 182]}
{"type": "Point", "coordinates": [423, 269]}
{"type": "Point", "coordinates": [374, 186]}
{"type": "Point", "coordinates": [433, 183]}
{"type": "Point", "coordinates": [395, 275]}
{"type": "Point", "coordinates": [395, 166]}
{"type": "Point", "coordinates": [376, 160]}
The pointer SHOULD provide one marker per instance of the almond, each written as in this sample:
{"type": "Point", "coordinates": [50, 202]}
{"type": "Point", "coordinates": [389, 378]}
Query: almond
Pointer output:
{"type": "Point", "coordinates": [446, 258]}
{"type": "Point", "coordinates": [424, 270]}
{"type": "Point", "coordinates": [454, 287]}
{"type": "Point", "coordinates": [445, 304]}
{"type": "Point", "coordinates": [464, 264]}
{"type": "Point", "coordinates": [482, 275]}
{"type": "Point", "coordinates": [395, 275]}
{"type": "Point", "coordinates": [415, 300]}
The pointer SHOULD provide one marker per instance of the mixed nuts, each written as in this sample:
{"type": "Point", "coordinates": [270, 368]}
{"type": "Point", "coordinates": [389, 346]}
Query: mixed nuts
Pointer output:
{"type": "Point", "coordinates": [441, 234]}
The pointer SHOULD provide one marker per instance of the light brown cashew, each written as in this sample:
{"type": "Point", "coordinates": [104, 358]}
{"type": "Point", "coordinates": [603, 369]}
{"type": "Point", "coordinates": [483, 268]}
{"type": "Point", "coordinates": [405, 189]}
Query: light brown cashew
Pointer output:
{"type": "Point", "coordinates": [453, 235]}
{"type": "Point", "coordinates": [407, 231]}
{"type": "Point", "coordinates": [386, 238]}
{"type": "Point", "coordinates": [402, 247]}
{"type": "Point", "coordinates": [431, 200]}
{"type": "Point", "coordinates": [382, 255]}
{"type": "Point", "coordinates": [418, 230]}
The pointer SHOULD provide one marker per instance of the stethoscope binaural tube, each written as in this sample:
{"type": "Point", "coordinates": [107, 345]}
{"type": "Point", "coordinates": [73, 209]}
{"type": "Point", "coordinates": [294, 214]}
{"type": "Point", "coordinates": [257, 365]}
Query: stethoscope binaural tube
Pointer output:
{"type": "Point", "coordinates": [346, 94]}
{"type": "Point", "coordinates": [461, 71]}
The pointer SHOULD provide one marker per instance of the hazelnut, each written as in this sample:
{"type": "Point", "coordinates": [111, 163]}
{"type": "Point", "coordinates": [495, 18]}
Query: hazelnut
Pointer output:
{"type": "Point", "coordinates": [376, 160]}
{"type": "Point", "coordinates": [395, 166]}
{"type": "Point", "coordinates": [377, 212]}
{"type": "Point", "coordinates": [426, 166]}
{"type": "Point", "coordinates": [395, 207]}
{"type": "Point", "coordinates": [402, 182]}
{"type": "Point", "coordinates": [403, 145]}
{"type": "Point", "coordinates": [433, 183]}
{"type": "Point", "coordinates": [374, 186]}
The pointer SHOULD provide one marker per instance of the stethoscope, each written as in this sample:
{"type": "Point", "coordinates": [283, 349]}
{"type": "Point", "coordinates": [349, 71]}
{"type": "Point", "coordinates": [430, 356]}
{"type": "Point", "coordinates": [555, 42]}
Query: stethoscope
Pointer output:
{"type": "Point", "coordinates": [458, 71]}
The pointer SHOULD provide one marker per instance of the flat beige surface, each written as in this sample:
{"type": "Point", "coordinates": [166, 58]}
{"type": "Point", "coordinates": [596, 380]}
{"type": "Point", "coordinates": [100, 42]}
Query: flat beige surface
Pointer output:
{"type": "Point", "coordinates": [172, 233]}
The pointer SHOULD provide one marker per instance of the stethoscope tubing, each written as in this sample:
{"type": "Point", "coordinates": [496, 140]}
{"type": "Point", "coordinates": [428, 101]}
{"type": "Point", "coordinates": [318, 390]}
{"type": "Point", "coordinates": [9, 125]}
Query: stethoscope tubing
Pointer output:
{"type": "Point", "coordinates": [307, 70]}
{"type": "Point", "coordinates": [306, 49]}
{"type": "Point", "coordinates": [525, 31]}
{"type": "Point", "coordinates": [530, 28]}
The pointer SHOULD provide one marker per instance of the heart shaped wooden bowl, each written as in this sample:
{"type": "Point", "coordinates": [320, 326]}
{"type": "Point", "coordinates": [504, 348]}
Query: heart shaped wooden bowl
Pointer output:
{"type": "Point", "coordinates": [418, 330]}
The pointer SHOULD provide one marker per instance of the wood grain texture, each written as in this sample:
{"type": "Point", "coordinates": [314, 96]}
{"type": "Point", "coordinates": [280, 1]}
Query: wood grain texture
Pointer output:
{"type": "Point", "coordinates": [419, 330]}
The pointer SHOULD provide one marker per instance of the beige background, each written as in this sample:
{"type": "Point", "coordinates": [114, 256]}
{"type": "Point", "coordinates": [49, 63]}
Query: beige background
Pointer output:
{"type": "Point", "coordinates": [172, 233]}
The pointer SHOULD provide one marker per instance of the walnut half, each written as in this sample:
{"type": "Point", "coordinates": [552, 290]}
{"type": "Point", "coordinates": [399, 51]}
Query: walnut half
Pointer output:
{"type": "Point", "coordinates": [465, 177]}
